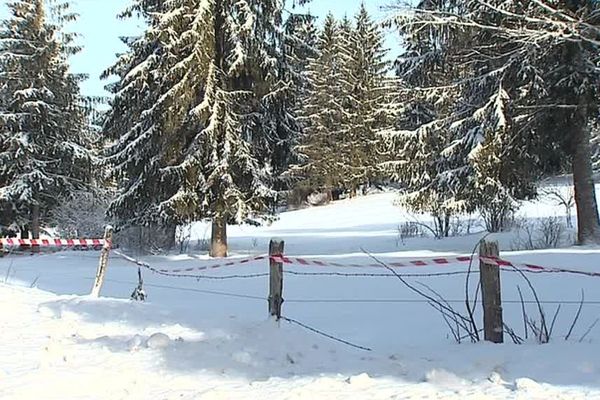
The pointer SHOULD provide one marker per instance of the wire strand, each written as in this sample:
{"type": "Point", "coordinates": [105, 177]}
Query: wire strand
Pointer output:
{"type": "Point", "coordinates": [194, 276]}
{"type": "Point", "coordinates": [293, 321]}
{"type": "Point", "coordinates": [215, 292]}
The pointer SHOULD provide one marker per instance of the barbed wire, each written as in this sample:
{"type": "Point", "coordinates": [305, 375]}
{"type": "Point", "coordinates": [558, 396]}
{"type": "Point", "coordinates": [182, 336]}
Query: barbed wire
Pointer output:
{"type": "Point", "coordinates": [186, 289]}
{"type": "Point", "coordinates": [415, 275]}
{"type": "Point", "coordinates": [425, 301]}
{"type": "Point", "coordinates": [372, 274]}
{"type": "Point", "coordinates": [293, 321]}
{"type": "Point", "coordinates": [194, 276]}
{"type": "Point", "coordinates": [364, 301]}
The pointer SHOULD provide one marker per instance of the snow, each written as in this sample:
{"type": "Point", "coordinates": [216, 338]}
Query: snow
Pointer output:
{"type": "Point", "coordinates": [212, 339]}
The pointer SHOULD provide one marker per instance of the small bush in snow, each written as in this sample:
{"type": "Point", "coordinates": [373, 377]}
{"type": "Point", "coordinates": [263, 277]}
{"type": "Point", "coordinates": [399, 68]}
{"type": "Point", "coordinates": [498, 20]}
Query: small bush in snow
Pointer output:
{"type": "Point", "coordinates": [202, 245]}
{"type": "Point", "coordinates": [498, 214]}
{"type": "Point", "coordinates": [408, 230]}
{"type": "Point", "coordinates": [318, 198]}
{"type": "Point", "coordinates": [81, 215]}
{"type": "Point", "coordinates": [564, 198]}
{"type": "Point", "coordinates": [182, 238]}
{"type": "Point", "coordinates": [547, 233]}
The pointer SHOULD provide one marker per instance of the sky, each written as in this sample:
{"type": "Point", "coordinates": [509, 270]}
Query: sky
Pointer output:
{"type": "Point", "coordinates": [100, 31]}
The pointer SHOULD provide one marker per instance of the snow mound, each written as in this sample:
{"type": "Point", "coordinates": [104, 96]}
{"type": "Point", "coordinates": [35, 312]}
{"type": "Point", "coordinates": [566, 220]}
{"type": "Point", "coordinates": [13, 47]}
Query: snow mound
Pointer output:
{"type": "Point", "coordinates": [362, 380]}
{"type": "Point", "coordinates": [441, 377]}
{"type": "Point", "coordinates": [158, 340]}
{"type": "Point", "coordinates": [526, 385]}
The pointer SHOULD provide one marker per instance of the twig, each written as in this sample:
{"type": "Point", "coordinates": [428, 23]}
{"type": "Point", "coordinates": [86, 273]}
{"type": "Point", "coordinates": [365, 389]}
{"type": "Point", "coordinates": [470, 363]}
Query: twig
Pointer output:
{"type": "Point", "coordinates": [8, 273]}
{"type": "Point", "coordinates": [515, 338]}
{"type": "Point", "coordinates": [543, 327]}
{"type": "Point", "coordinates": [455, 331]}
{"type": "Point", "coordinates": [471, 310]}
{"type": "Point", "coordinates": [553, 322]}
{"type": "Point", "coordinates": [576, 316]}
{"type": "Point", "coordinates": [459, 324]}
{"type": "Point", "coordinates": [34, 282]}
{"type": "Point", "coordinates": [524, 312]}
{"type": "Point", "coordinates": [420, 292]}
{"type": "Point", "coordinates": [589, 330]}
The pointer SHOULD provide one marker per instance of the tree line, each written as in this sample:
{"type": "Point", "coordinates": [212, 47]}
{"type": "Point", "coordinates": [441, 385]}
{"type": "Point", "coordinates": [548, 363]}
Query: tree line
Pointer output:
{"type": "Point", "coordinates": [221, 109]}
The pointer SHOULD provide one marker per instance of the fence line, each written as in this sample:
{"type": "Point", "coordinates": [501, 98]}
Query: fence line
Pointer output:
{"type": "Point", "coordinates": [314, 330]}
{"type": "Point", "coordinates": [186, 289]}
{"type": "Point", "coordinates": [165, 272]}
{"type": "Point", "coordinates": [341, 301]}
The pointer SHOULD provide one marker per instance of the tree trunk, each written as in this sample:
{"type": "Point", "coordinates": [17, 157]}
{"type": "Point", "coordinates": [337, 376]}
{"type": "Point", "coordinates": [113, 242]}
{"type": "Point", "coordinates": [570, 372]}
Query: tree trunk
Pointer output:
{"type": "Point", "coordinates": [35, 221]}
{"type": "Point", "coordinates": [353, 191]}
{"type": "Point", "coordinates": [446, 225]}
{"type": "Point", "coordinates": [218, 242]}
{"type": "Point", "coordinates": [168, 233]}
{"type": "Point", "coordinates": [588, 223]}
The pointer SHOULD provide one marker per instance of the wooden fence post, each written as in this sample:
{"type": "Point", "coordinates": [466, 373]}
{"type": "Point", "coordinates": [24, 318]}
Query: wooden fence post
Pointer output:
{"type": "Point", "coordinates": [276, 278]}
{"type": "Point", "coordinates": [493, 328]}
{"type": "Point", "coordinates": [101, 273]}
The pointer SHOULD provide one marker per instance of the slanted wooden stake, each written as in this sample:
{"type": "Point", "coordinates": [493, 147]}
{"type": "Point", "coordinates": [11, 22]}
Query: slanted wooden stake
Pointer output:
{"type": "Point", "coordinates": [276, 279]}
{"type": "Point", "coordinates": [108, 232]}
{"type": "Point", "coordinates": [493, 328]}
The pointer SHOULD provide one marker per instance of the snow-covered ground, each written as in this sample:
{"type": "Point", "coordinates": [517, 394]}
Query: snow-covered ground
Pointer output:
{"type": "Point", "coordinates": [56, 343]}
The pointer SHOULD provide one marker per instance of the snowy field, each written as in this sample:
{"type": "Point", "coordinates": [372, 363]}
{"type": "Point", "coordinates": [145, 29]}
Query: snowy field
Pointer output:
{"type": "Point", "coordinates": [56, 343]}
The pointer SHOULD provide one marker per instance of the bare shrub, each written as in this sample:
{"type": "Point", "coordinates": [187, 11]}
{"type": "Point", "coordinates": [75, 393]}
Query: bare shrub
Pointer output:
{"type": "Point", "coordinates": [296, 198]}
{"type": "Point", "coordinates": [81, 215]}
{"type": "Point", "coordinates": [318, 198]}
{"type": "Point", "coordinates": [182, 238]}
{"type": "Point", "coordinates": [440, 228]}
{"type": "Point", "coordinates": [154, 239]}
{"type": "Point", "coordinates": [498, 215]}
{"type": "Point", "coordinates": [202, 245]}
{"type": "Point", "coordinates": [566, 200]}
{"type": "Point", "coordinates": [547, 233]}
{"type": "Point", "coordinates": [409, 230]}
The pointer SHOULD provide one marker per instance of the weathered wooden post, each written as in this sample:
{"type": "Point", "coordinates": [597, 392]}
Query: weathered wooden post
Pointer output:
{"type": "Point", "coordinates": [101, 273]}
{"type": "Point", "coordinates": [493, 328]}
{"type": "Point", "coordinates": [276, 278]}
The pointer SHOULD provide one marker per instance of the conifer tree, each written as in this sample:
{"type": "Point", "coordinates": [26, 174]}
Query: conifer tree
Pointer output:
{"type": "Point", "coordinates": [43, 140]}
{"type": "Point", "coordinates": [322, 113]}
{"type": "Point", "coordinates": [367, 111]}
{"type": "Point", "coordinates": [522, 100]}
{"type": "Point", "coordinates": [144, 127]}
{"type": "Point", "coordinates": [347, 105]}
{"type": "Point", "coordinates": [199, 80]}
{"type": "Point", "coordinates": [295, 46]}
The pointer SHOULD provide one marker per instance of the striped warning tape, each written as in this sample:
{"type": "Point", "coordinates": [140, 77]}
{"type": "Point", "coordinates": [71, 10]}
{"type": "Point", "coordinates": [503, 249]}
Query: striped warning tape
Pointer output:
{"type": "Point", "coordinates": [215, 266]}
{"type": "Point", "coordinates": [185, 272]}
{"type": "Point", "coordinates": [504, 263]}
{"type": "Point", "coordinates": [407, 263]}
{"type": "Point", "coordinates": [190, 269]}
{"type": "Point", "coordinates": [433, 261]}
{"type": "Point", "coordinates": [51, 242]}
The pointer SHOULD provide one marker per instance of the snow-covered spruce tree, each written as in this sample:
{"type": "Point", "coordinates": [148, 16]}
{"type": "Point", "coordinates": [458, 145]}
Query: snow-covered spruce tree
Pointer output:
{"type": "Point", "coordinates": [232, 66]}
{"type": "Point", "coordinates": [364, 78]}
{"type": "Point", "coordinates": [145, 119]}
{"type": "Point", "coordinates": [322, 114]}
{"type": "Point", "coordinates": [526, 79]}
{"type": "Point", "coordinates": [43, 152]}
{"type": "Point", "coordinates": [296, 44]}
{"type": "Point", "coordinates": [420, 154]}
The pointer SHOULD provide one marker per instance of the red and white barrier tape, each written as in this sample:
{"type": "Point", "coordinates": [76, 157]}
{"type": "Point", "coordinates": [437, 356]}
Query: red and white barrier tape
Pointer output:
{"type": "Point", "coordinates": [434, 261]}
{"type": "Point", "coordinates": [215, 266]}
{"type": "Point", "coordinates": [408, 263]}
{"type": "Point", "coordinates": [51, 242]}
{"type": "Point", "coordinates": [190, 269]}
{"type": "Point", "coordinates": [504, 263]}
